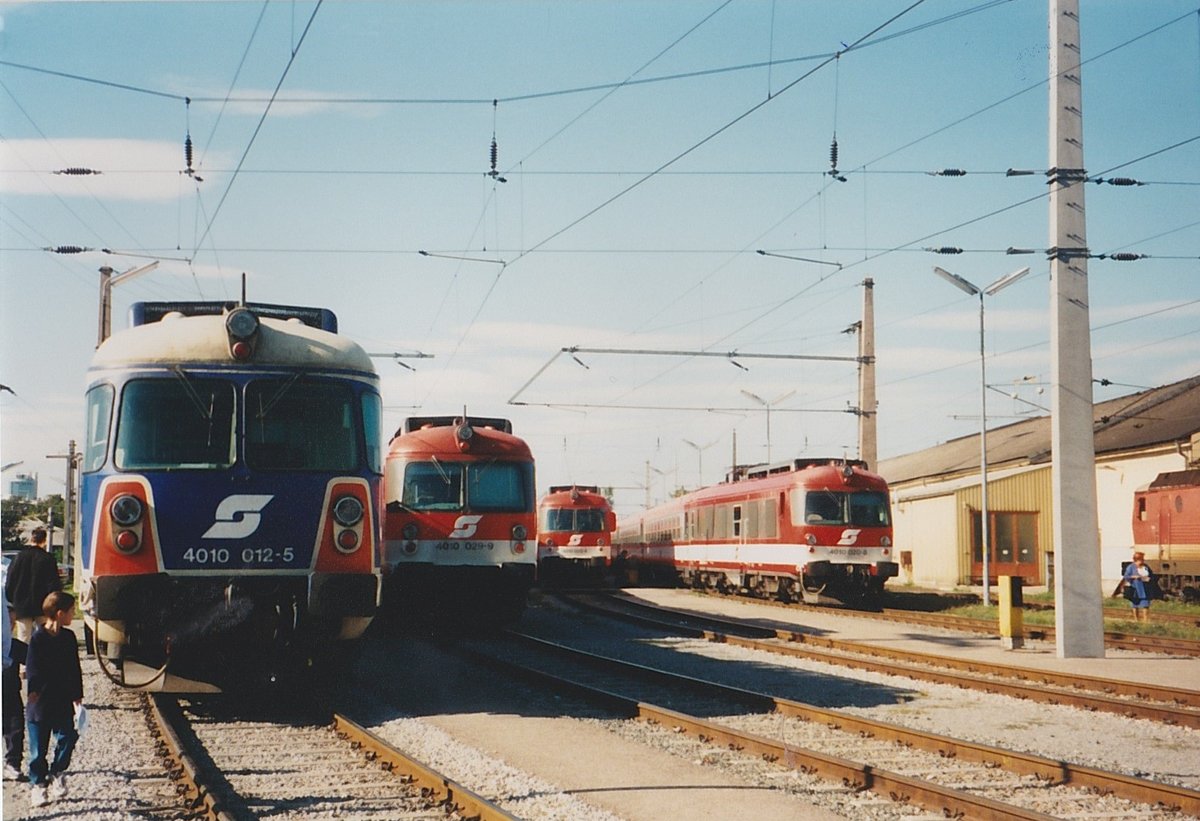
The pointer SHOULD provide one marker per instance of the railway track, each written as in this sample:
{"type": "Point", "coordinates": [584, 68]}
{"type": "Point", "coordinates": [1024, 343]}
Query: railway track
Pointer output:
{"type": "Point", "coordinates": [1115, 640]}
{"type": "Point", "coordinates": [231, 768]}
{"type": "Point", "coordinates": [957, 778]}
{"type": "Point", "coordinates": [1171, 705]}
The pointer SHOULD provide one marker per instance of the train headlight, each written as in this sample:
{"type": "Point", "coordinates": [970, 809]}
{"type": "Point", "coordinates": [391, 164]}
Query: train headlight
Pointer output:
{"type": "Point", "coordinates": [410, 531]}
{"type": "Point", "coordinates": [126, 510]}
{"type": "Point", "coordinates": [599, 541]}
{"type": "Point", "coordinates": [241, 326]}
{"type": "Point", "coordinates": [348, 511]}
{"type": "Point", "coordinates": [519, 533]}
{"type": "Point", "coordinates": [811, 539]}
{"type": "Point", "coordinates": [885, 541]}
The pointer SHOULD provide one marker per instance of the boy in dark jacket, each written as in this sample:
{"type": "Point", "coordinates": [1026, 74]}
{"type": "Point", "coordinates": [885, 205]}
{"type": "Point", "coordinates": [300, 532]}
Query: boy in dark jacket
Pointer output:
{"type": "Point", "coordinates": [55, 687]}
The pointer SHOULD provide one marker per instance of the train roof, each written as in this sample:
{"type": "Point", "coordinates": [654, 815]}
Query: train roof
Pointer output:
{"type": "Point", "coordinates": [574, 494]}
{"type": "Point", "coordinates": [142, 313]}
{"type": "Point", "coordinates": [422, 436]}
{"type": "Point", "coordinates": [178, 339]}
{"type": "Point", "coordinates": [1177, 478]}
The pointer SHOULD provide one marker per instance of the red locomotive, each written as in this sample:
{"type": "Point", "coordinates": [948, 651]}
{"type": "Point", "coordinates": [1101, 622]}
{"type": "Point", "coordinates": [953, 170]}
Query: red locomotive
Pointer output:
{"type": "Point", "coordinates": [459, 520]}
{"type": "Point", "coordinates": [1166, 527]}
{"type": "Point", "coordinates": [796, 530]}
{"type": "Point", "coordinates": [575, 527]}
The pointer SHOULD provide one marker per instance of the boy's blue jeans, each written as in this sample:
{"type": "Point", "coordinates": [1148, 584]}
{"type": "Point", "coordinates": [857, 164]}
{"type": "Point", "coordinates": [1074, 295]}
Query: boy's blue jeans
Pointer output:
{"type": "Point", "coordinates": [40, 733]}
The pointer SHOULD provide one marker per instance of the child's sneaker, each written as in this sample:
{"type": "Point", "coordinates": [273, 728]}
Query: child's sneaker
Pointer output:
{"type": "Point", "coordinates": [37, 796]}
{"type": "Point", "coordinates": [57, 788]}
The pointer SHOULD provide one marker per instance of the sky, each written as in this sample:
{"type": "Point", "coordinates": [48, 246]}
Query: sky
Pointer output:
{"type": "Point", "coordinates": [645, 152]}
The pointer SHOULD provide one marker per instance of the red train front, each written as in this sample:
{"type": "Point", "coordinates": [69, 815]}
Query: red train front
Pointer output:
{"type": "Point", "coordinates": [459, 523]}
{"type": "Point", "coordinates": [575, 526]}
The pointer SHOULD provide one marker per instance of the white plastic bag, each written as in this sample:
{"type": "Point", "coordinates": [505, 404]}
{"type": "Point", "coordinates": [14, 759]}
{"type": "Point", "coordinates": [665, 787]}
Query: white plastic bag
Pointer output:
{"type": "Point", "coordinates": [81, 719]}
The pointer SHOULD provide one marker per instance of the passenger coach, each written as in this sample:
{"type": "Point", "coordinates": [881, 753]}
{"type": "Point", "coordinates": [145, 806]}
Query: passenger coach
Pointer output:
{"type": "Point", "coordinates": [796, 530]}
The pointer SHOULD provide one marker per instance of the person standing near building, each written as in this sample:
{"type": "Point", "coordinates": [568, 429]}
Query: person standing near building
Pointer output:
{"type": "Point", "coordinates": [1140, 586]}
{"type": "Point", "coordinates": [32, 575]}
{"type": "Point", "coordinates": [55, 682]}
{"type": "Point", "coordinates": [13, 707]}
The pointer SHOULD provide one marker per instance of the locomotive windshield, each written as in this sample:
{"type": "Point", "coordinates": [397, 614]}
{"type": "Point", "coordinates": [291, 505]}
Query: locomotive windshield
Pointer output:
{"type": "Point", "coordinates": [499, 487]}
{"type": "Point", "coordinates": [862, 508]}
{"type": "Point", "coordinates": [175, 423]}
{"type": "Point", "coordinates": [300, 424]}
{"type": "Point", "coordinates": [566, 520]}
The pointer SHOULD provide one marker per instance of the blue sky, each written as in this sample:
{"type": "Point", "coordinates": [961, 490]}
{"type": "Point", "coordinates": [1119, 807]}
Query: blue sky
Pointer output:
{"type": "Point", "coordinates": [649, 150]}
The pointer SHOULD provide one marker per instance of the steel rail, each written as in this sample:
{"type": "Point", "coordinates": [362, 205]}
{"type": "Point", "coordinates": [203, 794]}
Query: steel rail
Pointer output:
{"type": "Point", "coordinates": [163, 716]}
{"type": "Point", "coordinates": [1072, 683]}
{"type": "Point", "coordinates": [446, 791]}
{"type": "Point", "coordinates": [1050, 770]}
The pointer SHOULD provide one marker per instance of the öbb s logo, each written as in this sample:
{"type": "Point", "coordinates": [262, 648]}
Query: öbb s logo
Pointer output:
{"type": "Point", "coordinates": [849, 536]}
{"type": "Point", "coordinates": [238, 516]}
{"type": "Point", "coordinates": [464, 527]}
{"type": "Point", "coordinates": [576, 540]}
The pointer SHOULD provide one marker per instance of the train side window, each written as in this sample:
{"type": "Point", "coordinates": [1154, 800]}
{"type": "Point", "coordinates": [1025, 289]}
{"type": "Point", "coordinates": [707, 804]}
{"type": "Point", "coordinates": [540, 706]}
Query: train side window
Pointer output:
{"type": "Point", "coordinates": [768, 520]}
{"type": "Point", "coordinates": [1179, 504]}
{"type": "Point", "coordinates": [737, 521]}
{"type": "Point", "coordinates": [372, 411]}
{"type": "Point", "coordinates": [99, 420]}
{"type": "Point", "coordinates": [1142, 509]}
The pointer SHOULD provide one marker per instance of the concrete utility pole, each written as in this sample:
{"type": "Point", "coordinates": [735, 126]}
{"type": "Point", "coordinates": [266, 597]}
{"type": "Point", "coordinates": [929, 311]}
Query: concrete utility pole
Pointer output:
{"type": "Point", "coordinates": [868, 443]}
{"type": "Point", "coordinates": [69, 500]}
{"type": "Point", "coordinates": [1079, 621]}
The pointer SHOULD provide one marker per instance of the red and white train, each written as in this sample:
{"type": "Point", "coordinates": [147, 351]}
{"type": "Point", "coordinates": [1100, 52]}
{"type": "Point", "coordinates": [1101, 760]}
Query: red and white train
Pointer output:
{"type": "Point", "coordinates": [459, 520]}
{"type": "Point", "coordinates": [575, 530]}
{"type": "Point", "coordinates": [796, 530]}
{"type": "Point", "coordinates": [1166, 527]}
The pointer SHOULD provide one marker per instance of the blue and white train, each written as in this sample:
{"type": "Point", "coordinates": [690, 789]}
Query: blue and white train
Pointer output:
{"type": "Point", "coordinates": [229, 495]}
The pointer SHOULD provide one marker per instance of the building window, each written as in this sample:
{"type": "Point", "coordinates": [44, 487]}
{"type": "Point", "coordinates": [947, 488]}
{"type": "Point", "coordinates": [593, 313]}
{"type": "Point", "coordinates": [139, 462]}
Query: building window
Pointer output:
{"type": "Point", "coordinates": [1013, 536]}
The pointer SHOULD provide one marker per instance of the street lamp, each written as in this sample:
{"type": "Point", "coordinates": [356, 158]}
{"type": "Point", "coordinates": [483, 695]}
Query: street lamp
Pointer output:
{"type": "Point", "coordinates": [972, 289]}
{"type": "Point", "coordinates": [109, 279]}
{"type": "Point", "coordinates": [700, 456]}
{"type": "Point", "coordinates": [768, 406]}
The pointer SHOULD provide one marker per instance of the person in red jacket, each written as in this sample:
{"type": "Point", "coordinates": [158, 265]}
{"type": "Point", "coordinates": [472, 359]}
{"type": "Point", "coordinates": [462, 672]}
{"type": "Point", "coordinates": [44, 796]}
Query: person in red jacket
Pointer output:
{"type": "Point", "coordinates": [54, 680]}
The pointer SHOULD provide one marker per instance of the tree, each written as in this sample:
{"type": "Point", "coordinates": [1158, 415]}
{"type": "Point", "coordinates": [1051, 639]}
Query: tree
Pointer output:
{"type": "Point", "coordinates": [14, 510]}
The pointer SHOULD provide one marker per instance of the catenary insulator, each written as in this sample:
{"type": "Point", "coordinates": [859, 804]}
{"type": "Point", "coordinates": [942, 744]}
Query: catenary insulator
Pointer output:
{"type": "Point", "coordinates": [495, 154]}
{"type": "Point", "coordinates": [946, 249]}
{"type": "Point", "coordinates": [187, 151]}
{"type": "Point", "coordinates": [951, 172]}
{"type": "Point", "coordinates": [76, 171]}
{"type": "Point", "coordinates": [1123, 181]}
{"type": "Point", "coordinates": [68, 249]}
{"type": "Point", "coordinates": [833, 154]}
{"type": "Point", "coordinates": [1125, 256]}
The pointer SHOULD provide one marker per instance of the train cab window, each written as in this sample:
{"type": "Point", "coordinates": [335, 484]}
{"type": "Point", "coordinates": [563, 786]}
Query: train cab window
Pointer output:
{"type": "Point", "coordinates": [501, 487]}
{"type": "Point", "coordinates": [869, 508]}
{"type": "Point", "coordinates": [589, 521]}
{"type": "Point", "coordinates": [558, 520]}
{"type": "Point", "coordinates": [99, 419]}
{"type": "Point", "coordinates": [433, 486]}
{"type": "Point", "coordinates": [175, 423]}
{"type": "Point", "coordinates": [824, 507]}
{"type": "Point", "coordinates": [301, 424]}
